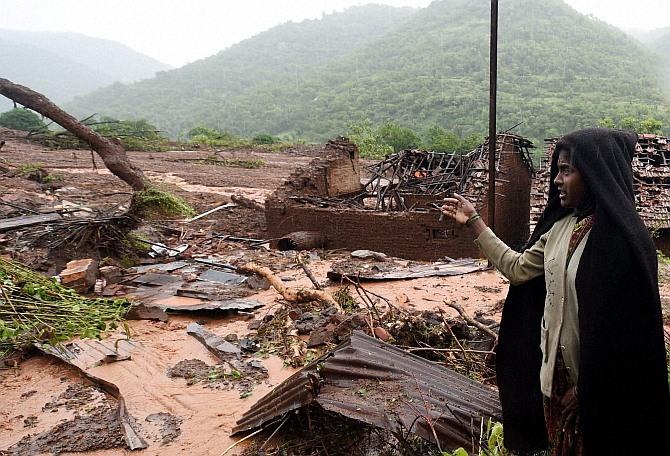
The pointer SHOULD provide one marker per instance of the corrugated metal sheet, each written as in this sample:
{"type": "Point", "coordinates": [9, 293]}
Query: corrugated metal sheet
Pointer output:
{"type": "Point", "coordinates": [370, 381]}
{"type": "Point", "coordinates": [391, 271]}
{"type": "Point", "coordinates": [80, 355]}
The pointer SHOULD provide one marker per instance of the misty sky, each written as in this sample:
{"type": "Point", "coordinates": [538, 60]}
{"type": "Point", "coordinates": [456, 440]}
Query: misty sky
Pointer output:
{"type": "Point", "coordinates": [180, 31]}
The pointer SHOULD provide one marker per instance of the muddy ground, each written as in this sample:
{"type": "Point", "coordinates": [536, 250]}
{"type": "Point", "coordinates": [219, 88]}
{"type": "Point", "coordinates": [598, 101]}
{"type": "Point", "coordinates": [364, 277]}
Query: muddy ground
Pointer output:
{"type": "Point", "coordinates": [177, 393]}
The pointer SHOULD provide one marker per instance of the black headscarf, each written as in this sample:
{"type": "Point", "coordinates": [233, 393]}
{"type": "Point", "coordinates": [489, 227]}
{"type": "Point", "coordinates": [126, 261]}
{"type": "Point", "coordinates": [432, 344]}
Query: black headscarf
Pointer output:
{"type": "Point", "coordinates": [623, 386]}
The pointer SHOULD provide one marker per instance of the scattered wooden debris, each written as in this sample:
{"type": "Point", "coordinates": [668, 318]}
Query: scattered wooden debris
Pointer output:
{"type": "Point", "coordinates": [290, 294]}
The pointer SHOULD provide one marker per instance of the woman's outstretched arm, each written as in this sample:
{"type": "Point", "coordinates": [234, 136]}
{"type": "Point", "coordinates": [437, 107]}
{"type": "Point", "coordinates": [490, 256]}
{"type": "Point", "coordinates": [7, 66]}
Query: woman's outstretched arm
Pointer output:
{"type": "Point", "coordinates": [517, 267]}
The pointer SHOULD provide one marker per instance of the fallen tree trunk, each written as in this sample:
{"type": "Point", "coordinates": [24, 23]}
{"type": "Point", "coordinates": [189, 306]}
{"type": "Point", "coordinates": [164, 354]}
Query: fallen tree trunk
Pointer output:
{"type": "Point", "coordinates": [110, 150]}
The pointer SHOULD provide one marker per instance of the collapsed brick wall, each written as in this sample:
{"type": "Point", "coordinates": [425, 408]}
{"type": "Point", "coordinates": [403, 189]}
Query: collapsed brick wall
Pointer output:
{"type": "Point", "coordinates": [417, 235]}
{"type": "Point", "coordinates": [337, 172]}
{"type": "Point", "coordinates": [411, 235]}
{"type": "Point", "coordinates": [512, 199]}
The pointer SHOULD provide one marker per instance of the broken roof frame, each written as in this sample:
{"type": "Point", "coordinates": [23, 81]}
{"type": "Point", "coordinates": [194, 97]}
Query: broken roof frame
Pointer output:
{"type": "Point", "coordinates": [376, 383]}
{"type": "Point", "coordinates": [437, 174]}
{"type": "Point", "coordinates": [425, 174]}
{"type": "Point", "coordinates": [651, 180]}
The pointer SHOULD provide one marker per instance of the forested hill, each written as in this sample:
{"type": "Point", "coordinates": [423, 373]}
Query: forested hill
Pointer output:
{"type": "Point", "coordinates": [199, 93]}
{"type": "Point", "coordinates": [661, 45]}
{"type": "Point", "coordinates": [63, 65]}
{"type": "Point", "coordinates": [558, 70]}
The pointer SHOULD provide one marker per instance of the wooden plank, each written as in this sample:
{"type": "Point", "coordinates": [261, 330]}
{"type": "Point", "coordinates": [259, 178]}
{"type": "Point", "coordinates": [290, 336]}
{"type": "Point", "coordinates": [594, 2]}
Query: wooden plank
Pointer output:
{"type": "Point", "coordinates": [28, 220]}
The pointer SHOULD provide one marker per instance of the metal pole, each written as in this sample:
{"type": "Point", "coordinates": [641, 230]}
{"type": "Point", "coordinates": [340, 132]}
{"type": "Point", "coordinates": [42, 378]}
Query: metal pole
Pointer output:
{"type": "Point", "coordinates": [493, 72]}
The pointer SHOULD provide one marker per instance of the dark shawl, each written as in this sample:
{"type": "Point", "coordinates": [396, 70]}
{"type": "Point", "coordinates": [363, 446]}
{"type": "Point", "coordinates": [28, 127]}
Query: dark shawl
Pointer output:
{"type": "Point", "coordinates": [623, 386]}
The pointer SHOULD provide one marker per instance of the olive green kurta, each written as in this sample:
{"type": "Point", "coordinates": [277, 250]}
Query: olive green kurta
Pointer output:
{"type": "Point", "coordinates": [560, 325]}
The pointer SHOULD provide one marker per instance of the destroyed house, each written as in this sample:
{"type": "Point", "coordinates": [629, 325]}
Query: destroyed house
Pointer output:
{"type": "Point", "coordinates": [392, 206]}
{"type": "Point", "coordinates": [651, 181]}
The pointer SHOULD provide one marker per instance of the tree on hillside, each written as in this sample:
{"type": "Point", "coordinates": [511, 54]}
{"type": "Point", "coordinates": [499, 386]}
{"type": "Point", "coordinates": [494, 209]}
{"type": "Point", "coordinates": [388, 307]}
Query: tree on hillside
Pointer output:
{"type": "Point", "coordinates": [110, 150]}
{"type": "Point", "coordinates": [21, 119]}
{"type": "Point", "coordinates": [646, 125]}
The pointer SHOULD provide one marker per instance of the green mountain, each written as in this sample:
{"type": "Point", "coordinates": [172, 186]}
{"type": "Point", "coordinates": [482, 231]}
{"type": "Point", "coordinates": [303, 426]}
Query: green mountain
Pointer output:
{"type": "Point", "coordinates": [64, 65]}
{"type": "Point", "coordinates": [558, 71]}
{"type": "Point", "coordinates": [199, 93]}
{"type": "Point", "coordinates": [658, 41]}
{"type": "Point", "coordinates": [648, 36]}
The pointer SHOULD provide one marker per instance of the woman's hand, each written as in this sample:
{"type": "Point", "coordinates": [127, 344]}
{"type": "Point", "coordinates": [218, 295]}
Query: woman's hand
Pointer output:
{"type": "Point", "coordinates": [458, 208]}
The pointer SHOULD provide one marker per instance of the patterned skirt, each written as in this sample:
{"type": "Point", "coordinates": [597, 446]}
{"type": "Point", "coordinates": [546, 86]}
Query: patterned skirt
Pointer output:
{"type": "Point", "coordinates": [565, 438]}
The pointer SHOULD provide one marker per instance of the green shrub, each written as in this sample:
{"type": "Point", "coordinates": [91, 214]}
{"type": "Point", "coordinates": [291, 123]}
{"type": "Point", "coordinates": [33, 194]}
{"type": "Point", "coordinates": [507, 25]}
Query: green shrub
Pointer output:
{"type": "Point", "coordinates": [264, 138]}
{"type": "Point", "coordinates": [369, 141]}
{"type": "Point", "coordinates": [133, 134]}
{"type": "Point", "coordinates": [491, 442]}
{"type": "Point", "coordinates": [440, 140]}
{"type": "Point", "coordinates": [391, 137]}
{"type": "Point", "coordinates": [215, 138]}
{"type": "Point", "coordinates": [231, 162]}
{"type": "Point", "coordinates": [155, 202]}
{"type": "Point", "coordinates": [22, 119]}
{"type": "Point", "coordinates": [399, 138]}
{"type": "Point", "coordinates": [29, 168]}
{"type": "Point", "coordinates": [634, 123]}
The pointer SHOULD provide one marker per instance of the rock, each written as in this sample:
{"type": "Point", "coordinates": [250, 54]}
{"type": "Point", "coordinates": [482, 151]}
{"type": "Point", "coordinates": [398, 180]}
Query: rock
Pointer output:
{"type": "Point", "coordinates": [249, 345]}
{"type": "Point", "coordinates": [382, 334]}
{"type": "Point", "coordinates": [254, 324]}
{"type": "Point", "coordinates": [321, 336]}
{"type": "Point", "coordinates": [327, 312]}
{"type": "Point", "coordinates": [232, 337]}
{"type": "Point", "coordinates": [111, 274]}
{"type": "Point", "coordinates": [294, 314]}
{"type": "Point", "coordinates": [256, 364]}
{"type": "Point", "coordinates": [256, 282]}
{"type": "Point", "coordinates": [369, 255]}
{"type": "Point", "coordinates": [80, 274]}
{"type": "Point", "coordinates": [142, 312]}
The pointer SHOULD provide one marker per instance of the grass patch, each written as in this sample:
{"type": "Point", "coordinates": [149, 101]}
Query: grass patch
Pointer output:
{"type": "Point", "coordinates": [29, 168]}
{"type": "Point", "coordinates": [155, 202]}
{"type": "Point", "coordinates": [229, 162]}
{"type": "Point", "coordinates": [136, 243]}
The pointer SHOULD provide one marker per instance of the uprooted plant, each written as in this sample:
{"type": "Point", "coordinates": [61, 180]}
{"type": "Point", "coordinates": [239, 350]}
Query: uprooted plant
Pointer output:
{"type": "Point", "coordinates": [34, 308]}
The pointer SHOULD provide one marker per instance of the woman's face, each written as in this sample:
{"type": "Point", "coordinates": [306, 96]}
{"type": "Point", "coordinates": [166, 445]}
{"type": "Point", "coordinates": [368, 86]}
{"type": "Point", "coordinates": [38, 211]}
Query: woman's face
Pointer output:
{"type": "Point", "coordinates": [569, 182]}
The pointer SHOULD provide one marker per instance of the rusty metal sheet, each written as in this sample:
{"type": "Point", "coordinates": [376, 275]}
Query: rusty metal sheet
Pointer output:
{"type": "Point", "coordinates": [389, 271]}
{"type": "Point", "coordinates": [376, 383]}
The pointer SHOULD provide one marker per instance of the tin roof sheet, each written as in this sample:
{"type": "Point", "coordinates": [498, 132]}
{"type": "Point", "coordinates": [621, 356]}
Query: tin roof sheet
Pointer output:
{"type": "Point", "coordinates": [376, 383]}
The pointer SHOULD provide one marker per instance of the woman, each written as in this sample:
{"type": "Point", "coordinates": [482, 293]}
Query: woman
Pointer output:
{"type": "Point", "coordinates": [581, 359]}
